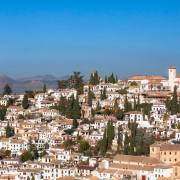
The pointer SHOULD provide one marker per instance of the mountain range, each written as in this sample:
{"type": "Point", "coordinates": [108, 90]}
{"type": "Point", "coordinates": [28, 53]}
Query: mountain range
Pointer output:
{"type": "Point", "coordinates": [29, 83]}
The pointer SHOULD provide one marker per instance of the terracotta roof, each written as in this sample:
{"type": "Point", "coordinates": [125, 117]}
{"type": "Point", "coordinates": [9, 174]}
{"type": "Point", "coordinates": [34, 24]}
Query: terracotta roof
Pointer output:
{"type": "Point", "coordinates": [131, 167]}
{"type": "Point", "coordinates": [138, 159]}
{"type": "Point", "coordinates": [170, 147]}
{"type": "Point", "coordinates": [167, 147]}
{"type": "Point", "coordinates": [146, 78]}
{"type": "Point", "coordinates": [66, 178]}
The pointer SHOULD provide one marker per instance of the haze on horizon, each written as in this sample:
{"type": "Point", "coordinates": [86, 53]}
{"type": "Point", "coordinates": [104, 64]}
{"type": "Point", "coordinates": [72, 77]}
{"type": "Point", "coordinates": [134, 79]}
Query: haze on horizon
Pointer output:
{"type": "Point", "coordinates": [59, 37]}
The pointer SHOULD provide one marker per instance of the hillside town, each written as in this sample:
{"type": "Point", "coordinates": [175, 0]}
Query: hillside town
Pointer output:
{"type": "Point", "coordinates": [103, 128]}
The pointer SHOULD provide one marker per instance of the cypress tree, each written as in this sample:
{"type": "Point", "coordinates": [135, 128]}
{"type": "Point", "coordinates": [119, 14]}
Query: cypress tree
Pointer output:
{"type": "Point", "coordinates": [76, 81]}
{"type": "Point", "coordinates": [138, 104]}
{"type": "Point", "coordinates": [103, 94]}
{"type": "Point", "coordinates": [106, 79]}
{"type": "Point", "coordinates": [135, 104]}
{"type": "Point", "coordinates": [116, 78]}
{"type": "Point", "coordinates": [98, 107]}
{"type": "Point", "coordinates": [126, 144]}
{"type": "Point", "coordinates": [91, 96]}
{"type": "Point", "coordinates": [25, 102]}
{"type": "Point", "coordinates": [127, 105]}
{"type": "Point", "coordinates": [69, 109]}
{"type": "Point", "coordinates": [94, 78]}
{"type": "Point", "coordinates": [174, 102]}
{"type": "Point", "coordinates": [7, 90]}
{"type": "Point", "coordinates": [104, 143]}
{"type": "Point", "coordinates": [75, 123]}
{"type": "Point", "coordinates": [62, 105]}
{"type": "Point", "coordinates": [76, 109]}
{"type": "Point", "coordinates": [111, 79]}
{"type": "Point", "coordinates": [9, 131]}
{"type": "Point", "coordinates": [3, 111]}
{"type": "Point", "coordinates": [119, 140]}
{"type": "Point", "coordinates": [110, 133]}
{"type": "Point", "coordinates": [44, 88]}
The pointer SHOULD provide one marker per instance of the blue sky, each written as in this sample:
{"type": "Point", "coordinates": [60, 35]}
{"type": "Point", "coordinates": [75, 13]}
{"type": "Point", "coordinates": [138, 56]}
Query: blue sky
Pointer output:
{"type": "Point", "coordinates": [61, 36]}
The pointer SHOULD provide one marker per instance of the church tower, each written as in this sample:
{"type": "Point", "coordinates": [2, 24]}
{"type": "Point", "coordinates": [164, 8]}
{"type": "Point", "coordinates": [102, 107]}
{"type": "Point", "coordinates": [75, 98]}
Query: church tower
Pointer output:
{"type": "Point", "coordinates": [172, 77]}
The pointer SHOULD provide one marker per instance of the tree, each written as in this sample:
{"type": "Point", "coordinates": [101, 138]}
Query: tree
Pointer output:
{"type": "Point", "coordinates": [103, 94]}
{"type": "Point", "coordinates": [146, 108]}
{"type": "Point", "coordinates": [7, 153]}
{"type": "Point", "coordinates": [126, 144]}
{"type": "Point", "coordinates": [63, 84]}
{"type": "Point", "coordinates": [25, 102]}
{"type": "Point", "coordinates": [76, 109]}
{"type": "Point", "coordinates": [62, 105]}
{"type": "Point", "coordinates": [104, 143]}
{"type": "Point", "coordinates": [127, 105]}
{"type": "Point", "coordinates": [75, 123]}
{"type": "Point", "coordinates": [110, 134]}
{"type": "Point", "coordinates": [112, 79]}
{"type": "Point", "coordinates": [76, 82]}
{"type": "Point", "coordinates": [44, 88]}
{"type": "Point", "coordinates": [174, 102]}
{"type": "Point", "coordinates": [33, 178]}
{"type": "Point", "coordinates": [69, 108]}
{"type": "Point", "coordinates": [138, 142]}
{"type": "Point", "coordinates": [67, 144]}
{"type": "Point", "coordinates": [120, 139]}
{"type": "Point", "coordinates": [138, 108]}
{"type": "Point", "coordinates": [105, 79]}
{"type": "Point", "coordinates": [9, 131]}
{"type": "Point", "coordinates": [3, 111]}
{"type": "Point", "coordinates": [118, 113]}
{"type": "Point", "coordinates": [98, 106]}
{"type": "Point", "coordinates": [30, 94]}
{"type": "Point", "coordinates": [26, 156]}
{"type": "Point", "coordinates": [84, 146]}
{"type": "Point", "coordinates": [173, 105]}
{"type": "Point", "coordinates": [7, 90]}
{"type": "Point", "coordinates": [91, 96]}
{"type": "Point", "coordinates": [134, 83]}
{"type": "Point", "coordinates": [33, 150]}
{"type": "Point", "coordinates": [135, 105]}
{"type": "Point", "coordinates": [165, 118]}
{"type": "Point", "coordinates": [94, 78]}
{"type": "Point", "coordinates": [10, 102]}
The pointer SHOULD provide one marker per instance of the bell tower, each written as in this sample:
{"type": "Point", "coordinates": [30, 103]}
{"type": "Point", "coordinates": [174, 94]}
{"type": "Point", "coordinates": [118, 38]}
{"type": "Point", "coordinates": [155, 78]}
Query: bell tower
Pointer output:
{"type": "Point", "coordinates": [172, 77]}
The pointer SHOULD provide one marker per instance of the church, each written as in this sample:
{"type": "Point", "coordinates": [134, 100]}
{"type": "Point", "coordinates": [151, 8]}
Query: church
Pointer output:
{"type": "Point", "coordinates": [158, 83]}
{"type": "Point", "coordinates": [174, 78]}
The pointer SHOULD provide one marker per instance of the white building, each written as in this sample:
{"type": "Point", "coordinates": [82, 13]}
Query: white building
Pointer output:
{"type": "Point", "coordinates": [174, 78]}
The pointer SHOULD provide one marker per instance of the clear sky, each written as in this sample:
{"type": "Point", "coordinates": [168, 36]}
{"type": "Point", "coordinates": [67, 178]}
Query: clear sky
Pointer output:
{"type": "Point", "coordinates": [61, 36]}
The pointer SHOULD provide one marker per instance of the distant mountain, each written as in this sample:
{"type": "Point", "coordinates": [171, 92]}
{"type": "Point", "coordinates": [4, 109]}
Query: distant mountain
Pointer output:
{"type": "Point", "coordinates": [46, 77]}
{"type": "Point", "coordinates": [6, 79]}
{"type": "Point", "coordinates": [30, 83]}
